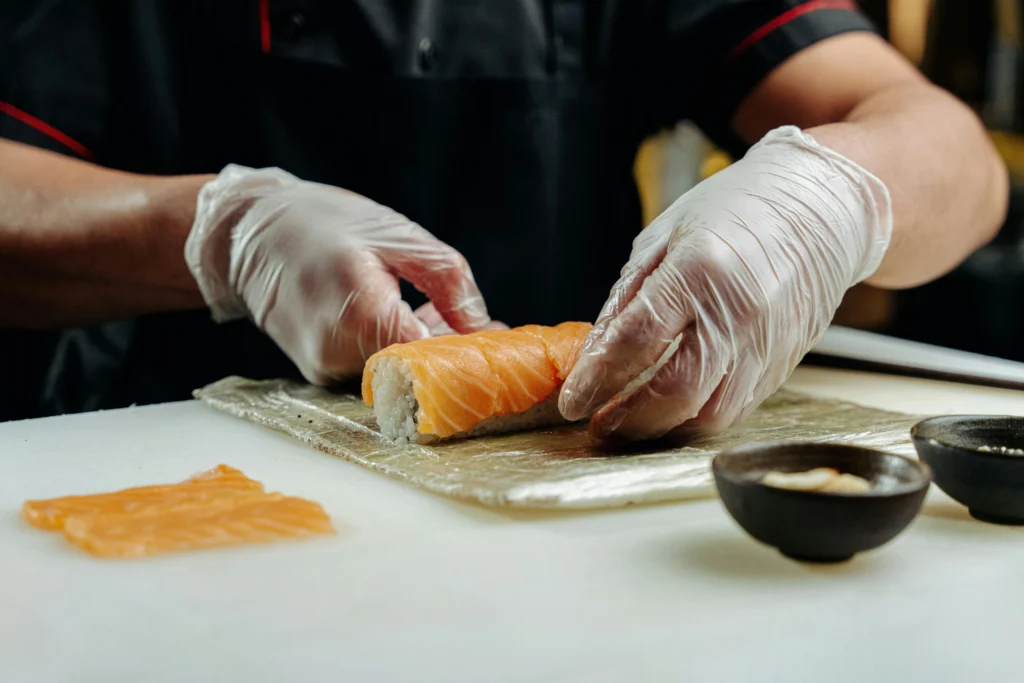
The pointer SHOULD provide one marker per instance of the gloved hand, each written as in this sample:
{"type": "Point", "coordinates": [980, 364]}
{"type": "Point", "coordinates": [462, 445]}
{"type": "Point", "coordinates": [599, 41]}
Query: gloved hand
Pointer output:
{"type": "Point", "coordinates": [744, 274]}
{"type": "Point", "coordinates": [317, 268]}
{"type": "Point", "coordinates": [428, 314]}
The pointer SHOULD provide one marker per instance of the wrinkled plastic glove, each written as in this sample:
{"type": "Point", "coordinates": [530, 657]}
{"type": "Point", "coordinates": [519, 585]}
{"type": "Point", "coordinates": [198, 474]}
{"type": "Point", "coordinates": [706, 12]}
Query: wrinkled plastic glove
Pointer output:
{"type": "Point", "coordinates": [317, 269]}
{"type": "Point", "coordinates": [727, 290]}
{"type": "Point", "coordinates": [438, 327]}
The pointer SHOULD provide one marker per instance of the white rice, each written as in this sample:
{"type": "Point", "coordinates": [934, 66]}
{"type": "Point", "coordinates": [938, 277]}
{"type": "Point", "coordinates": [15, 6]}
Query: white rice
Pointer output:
{"type": "Point", "coordinates": [396, 408]}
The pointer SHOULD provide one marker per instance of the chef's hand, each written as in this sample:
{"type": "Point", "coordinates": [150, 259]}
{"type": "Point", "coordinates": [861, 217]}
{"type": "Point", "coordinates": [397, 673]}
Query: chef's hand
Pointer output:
{"type": "Point", "coordinates": [744, 272]}
{"type": "Point", "coordinates": [317, 268]}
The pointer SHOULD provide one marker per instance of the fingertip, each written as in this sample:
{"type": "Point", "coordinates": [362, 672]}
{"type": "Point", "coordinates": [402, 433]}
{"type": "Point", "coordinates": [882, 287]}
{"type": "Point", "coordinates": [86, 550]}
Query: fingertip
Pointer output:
{"type": "Point", "coordinates": [404, 327]}
{"type": "Point", "coordinates": [567, 402]}
{"type": "Point", "coordinates": [598, 432]}
{"type": "Point", "coordinates": [587, 387]}
{"type": "Point", "coordinates": [414, 329]}
{"type": "Point", "coordinates": [566, 406]}
{"type": "Point", "coordinates": [315, 377]}
{"type": "Point", "coordinates": [605, 423]}
{"type": "Point", "coordinates": [578, 398]}
{"type": "Point", "coordinates": [467, 314]}
{"type": "Point", "coordinates": [429, 315]}
{"type": "Point", "coordinates": [602, 438]}
{"type": "Point", "coordinates": [465, 309]}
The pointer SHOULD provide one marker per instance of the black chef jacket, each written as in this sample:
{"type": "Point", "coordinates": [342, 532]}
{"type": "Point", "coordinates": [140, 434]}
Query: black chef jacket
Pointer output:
{"type": "Point", "coordinates": [508, 128]}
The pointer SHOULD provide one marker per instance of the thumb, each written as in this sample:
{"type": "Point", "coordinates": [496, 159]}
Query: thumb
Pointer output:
{"type": "Point", "coordinates": [428, 314]}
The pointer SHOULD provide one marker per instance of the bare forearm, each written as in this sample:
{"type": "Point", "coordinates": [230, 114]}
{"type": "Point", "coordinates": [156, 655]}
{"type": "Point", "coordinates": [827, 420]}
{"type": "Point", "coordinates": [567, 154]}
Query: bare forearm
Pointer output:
{"type": "Point", "coordinates": [80, 243]}
{"type": "Point", "coordinates": [949, 188]}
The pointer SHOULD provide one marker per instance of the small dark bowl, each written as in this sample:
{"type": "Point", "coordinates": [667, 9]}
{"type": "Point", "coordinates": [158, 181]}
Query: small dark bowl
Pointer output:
{"type": "Point", "coordinates": [991, 485]}
{"type": "Point", "coordinates": [814, 526]}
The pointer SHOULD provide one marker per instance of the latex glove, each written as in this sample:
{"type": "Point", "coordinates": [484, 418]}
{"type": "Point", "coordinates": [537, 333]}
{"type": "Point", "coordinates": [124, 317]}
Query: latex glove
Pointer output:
{"type": "Point", "coordinates": [430, 317]}
{"type": "Point", "coordinates": [317, 268]}
{"type": "Point", "coordinates": [744, 272]}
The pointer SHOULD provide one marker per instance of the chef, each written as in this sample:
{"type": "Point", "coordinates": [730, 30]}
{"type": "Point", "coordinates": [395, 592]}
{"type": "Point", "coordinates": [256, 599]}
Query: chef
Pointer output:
{"type": "Point", "coordinates": [276, 187]}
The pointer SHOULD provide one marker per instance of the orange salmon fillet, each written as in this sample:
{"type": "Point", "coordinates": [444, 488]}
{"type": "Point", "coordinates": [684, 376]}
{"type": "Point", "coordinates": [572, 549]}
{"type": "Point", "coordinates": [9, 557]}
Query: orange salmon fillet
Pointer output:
{"type": "Point", "coordinates": [218, 482]}
{"type": "Point", "coordinates": [564, 343]}
{"type": "Point", "coordinates": [219, 507]}
{"type": "Point", "coordinates": [461, 380]}
{"type": "Point", "coordinates": [231, 521]}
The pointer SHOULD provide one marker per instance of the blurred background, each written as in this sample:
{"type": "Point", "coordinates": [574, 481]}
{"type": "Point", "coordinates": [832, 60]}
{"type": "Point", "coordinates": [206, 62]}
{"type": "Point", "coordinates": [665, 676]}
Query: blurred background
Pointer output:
{"type": "Point", "coordinates": [973, 49]}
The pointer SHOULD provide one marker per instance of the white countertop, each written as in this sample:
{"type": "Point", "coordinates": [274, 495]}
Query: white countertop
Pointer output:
{"type": "Point", "coordinates": [420, 588]}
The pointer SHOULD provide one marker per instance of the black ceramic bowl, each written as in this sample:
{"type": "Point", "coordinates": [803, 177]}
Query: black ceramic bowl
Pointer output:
{"type": "Point", "coordinates": [814, 526]}
{"type": "Point", "coordinates": [991, 485]}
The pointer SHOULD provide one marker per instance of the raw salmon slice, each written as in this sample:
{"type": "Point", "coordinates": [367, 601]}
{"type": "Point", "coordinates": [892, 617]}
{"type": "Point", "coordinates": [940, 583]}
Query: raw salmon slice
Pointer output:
{"type": "Point", "coordinates": [523, 367]}
{"type": "Point", "coordinates": [219, 507]}
{"type": "Point", "coordinates": [564, 343]}
{"type": "Point", "coordinates": [221, 481]}
{"type": "Point", "coordinates": [490, 381]}
{"type": "Point", "coordinates": [228, 521]}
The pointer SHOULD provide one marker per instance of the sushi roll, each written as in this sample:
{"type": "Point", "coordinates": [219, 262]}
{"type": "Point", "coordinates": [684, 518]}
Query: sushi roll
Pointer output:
{"type": "Point", "coordinates": [458, 386]}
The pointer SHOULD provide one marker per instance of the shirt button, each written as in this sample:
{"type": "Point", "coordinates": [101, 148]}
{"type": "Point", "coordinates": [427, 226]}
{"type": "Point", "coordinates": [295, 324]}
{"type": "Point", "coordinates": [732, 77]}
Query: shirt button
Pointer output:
{"type": "Point", "coordinates": [427, 54]}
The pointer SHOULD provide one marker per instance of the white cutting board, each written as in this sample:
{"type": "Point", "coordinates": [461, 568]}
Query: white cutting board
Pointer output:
{"type": "Point", "coordinates": [419, 588]}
